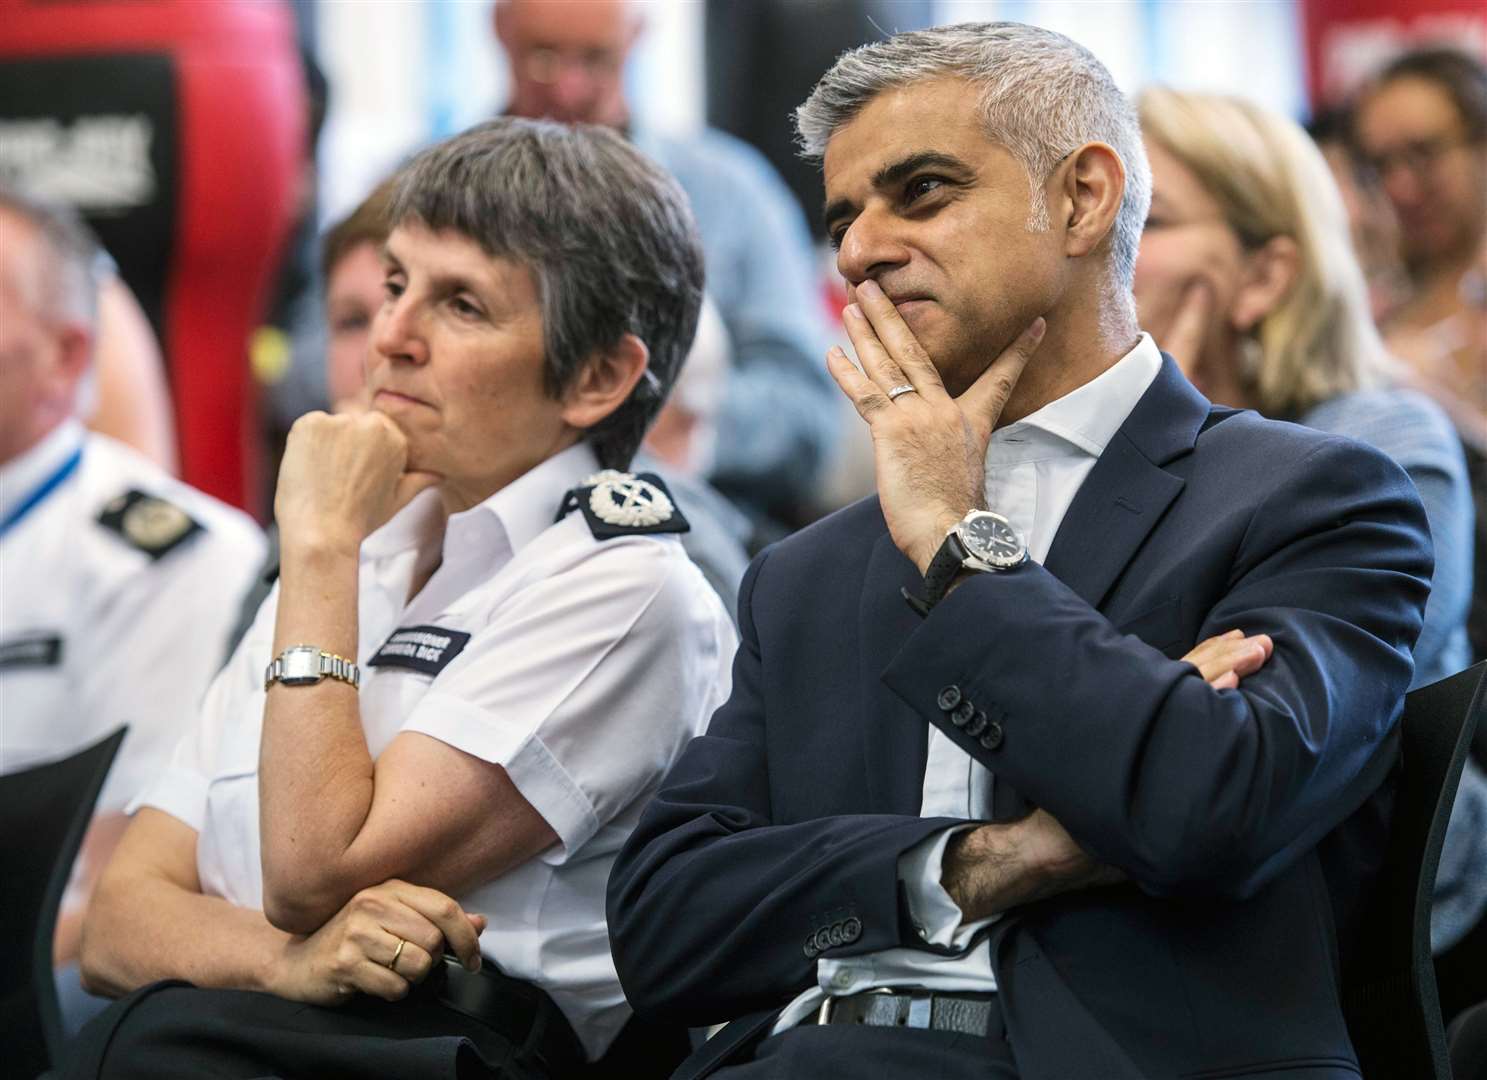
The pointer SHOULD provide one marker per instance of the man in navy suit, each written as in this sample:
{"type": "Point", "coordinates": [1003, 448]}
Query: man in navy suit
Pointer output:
{"type": "Point", "coordinates": [967, 812]}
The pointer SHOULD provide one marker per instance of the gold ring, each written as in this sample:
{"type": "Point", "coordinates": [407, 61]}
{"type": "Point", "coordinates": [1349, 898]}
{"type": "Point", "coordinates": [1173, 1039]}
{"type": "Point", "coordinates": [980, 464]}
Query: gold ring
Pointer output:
{"type": "Point", "coordinates": [393, 963]}
{"type": "Point", "coordinates": [896, 392]}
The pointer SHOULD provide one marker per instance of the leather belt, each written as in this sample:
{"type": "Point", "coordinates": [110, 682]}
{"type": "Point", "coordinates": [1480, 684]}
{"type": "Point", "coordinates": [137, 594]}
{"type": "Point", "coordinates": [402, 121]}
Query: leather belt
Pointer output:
{"type": "Point", "coordinates": [969, 1014]}
{"type": "Point", "coordinates": [517, 1010]}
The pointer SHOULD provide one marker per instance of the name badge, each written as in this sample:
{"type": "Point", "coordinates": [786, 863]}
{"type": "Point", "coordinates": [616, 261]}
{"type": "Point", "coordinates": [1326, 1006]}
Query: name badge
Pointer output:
{"type": "Point", "coordinates": [31, 651]}
{"type": "Point", "coordinates": [427, 649]}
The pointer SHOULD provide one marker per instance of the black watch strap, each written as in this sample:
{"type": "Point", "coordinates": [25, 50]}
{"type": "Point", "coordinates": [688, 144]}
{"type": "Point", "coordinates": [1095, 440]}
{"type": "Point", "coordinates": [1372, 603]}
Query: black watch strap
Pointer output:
{"type": "Point", "coordinates": [948, 562]}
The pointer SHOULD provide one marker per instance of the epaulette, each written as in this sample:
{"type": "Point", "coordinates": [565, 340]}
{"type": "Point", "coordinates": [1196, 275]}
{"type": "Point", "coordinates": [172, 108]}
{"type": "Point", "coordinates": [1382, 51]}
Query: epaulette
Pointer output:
{"type": "Point", "coordinates": [618, 503]}
{"type": "Point", "coordinates": [148, 522]}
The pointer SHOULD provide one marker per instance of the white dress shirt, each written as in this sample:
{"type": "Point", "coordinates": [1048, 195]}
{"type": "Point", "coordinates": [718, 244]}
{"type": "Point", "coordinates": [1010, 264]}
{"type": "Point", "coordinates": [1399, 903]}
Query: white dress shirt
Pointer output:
{"type": "Point", "coordinates": [95, 631]}
{"type": "Point", "coordinates": [588, 666]}
{"type": "Point", "coordinates": [1034, 468]}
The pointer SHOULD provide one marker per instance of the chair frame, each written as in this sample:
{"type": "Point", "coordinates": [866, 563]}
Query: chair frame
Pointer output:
{"type": "Point", "coordinates": [39, 1007]}
{"type": "Point", "coordinates": [1388, 981]}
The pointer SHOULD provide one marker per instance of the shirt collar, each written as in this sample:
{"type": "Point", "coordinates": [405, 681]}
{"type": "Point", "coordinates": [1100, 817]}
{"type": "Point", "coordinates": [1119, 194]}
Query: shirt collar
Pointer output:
{"type": "Point", "coordinates": [520, 511]}
{"type": "Point", "coordinates": [1088, 416]}
{"type": "Point", "coordinates": [20, 476]}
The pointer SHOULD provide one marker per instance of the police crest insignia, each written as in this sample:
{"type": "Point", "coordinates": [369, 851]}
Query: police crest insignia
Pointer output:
{"type": "Point", "coordinates": [618, 503]}
{"type": "Point", "coordinates": [148, 522]}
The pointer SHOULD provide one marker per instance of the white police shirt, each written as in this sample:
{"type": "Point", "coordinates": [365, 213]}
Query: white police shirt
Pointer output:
{"type": "Point", "coordinates": [118, 588]}
{"type": "Point", "coordinates": [1034, 468]}
{"type": "Point", "coordinates": [581, 666]}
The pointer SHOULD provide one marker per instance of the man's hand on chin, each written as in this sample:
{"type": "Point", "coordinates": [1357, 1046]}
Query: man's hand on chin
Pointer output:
{"type": "Point", "coordinates": [929, 449]}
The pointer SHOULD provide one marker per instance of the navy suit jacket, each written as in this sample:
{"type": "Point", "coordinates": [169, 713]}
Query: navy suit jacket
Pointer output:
{"type": "Point", "coordinates": [1246, 820]}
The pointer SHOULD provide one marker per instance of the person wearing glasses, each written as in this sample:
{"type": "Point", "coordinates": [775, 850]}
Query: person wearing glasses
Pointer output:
{"type": "Point", "coordinates": [777, 424]}
{"type": "Point", "coordinates": [1421, 129]}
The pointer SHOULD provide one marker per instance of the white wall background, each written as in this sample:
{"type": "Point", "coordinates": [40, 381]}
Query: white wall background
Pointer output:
{"type": "Point", "coordinates": [403, 72]}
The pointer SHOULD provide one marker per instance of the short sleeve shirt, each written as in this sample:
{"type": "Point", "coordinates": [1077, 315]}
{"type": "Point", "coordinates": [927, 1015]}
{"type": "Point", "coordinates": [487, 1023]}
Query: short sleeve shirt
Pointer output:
{"type": "Point", "coordinates": [118, 589]}
{"type": "Point", "coordinates": [581, 666]}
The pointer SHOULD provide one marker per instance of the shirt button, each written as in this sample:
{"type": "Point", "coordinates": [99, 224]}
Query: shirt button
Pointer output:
{"type": "Point", "coordinates": [842, 979]}
{"type": "Point", "coordinates": [949, 698]}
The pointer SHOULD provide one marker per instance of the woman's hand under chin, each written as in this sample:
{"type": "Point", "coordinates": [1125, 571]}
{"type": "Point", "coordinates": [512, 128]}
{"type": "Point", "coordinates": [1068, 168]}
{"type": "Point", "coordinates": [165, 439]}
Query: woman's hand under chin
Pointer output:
{"type": "Point", "coordinates": [342, 477]}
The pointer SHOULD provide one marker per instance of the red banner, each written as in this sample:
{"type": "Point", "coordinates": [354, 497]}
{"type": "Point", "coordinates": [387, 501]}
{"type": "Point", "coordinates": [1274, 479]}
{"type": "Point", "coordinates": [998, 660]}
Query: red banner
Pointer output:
{"type": "Point", "coordinates": [1348, 40]}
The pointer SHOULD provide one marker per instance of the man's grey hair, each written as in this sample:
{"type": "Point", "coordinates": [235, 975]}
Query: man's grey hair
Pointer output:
{"type": "Point", "coordinates": [73, 263]}
{"type": "Point", "coordinates": [1042, 97]}
{"type": "Point", "coordinates": [606, 233]}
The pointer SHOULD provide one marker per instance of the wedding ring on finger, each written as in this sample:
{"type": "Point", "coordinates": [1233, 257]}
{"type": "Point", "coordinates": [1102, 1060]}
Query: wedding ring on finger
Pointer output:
{"type": "Point", "coordinates": [392, 964]}
{"type": "Point", "coordinates": [896, 392]}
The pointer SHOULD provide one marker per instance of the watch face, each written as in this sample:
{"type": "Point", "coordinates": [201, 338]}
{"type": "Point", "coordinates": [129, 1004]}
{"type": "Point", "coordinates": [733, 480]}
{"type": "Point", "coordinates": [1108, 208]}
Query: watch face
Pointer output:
{"type": "Point", "coordinates": [301, 666]}
{"type": "Point", "coordinates": [990, 538]}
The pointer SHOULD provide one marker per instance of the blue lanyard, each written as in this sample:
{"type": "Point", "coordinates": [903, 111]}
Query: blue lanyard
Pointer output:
{"type": "Point", "coordinates": [45, 488]}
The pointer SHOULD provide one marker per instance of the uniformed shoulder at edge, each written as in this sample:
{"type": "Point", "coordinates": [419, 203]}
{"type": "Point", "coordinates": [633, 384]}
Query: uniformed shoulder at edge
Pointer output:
{"type": "Point", "coordinates": [137, 503]}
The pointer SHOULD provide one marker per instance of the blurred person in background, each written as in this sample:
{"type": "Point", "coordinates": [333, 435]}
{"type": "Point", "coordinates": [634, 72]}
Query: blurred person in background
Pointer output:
{"type": "Point", "coordinates": [779, 417]}
{"type": "Point", "coordinates": [470, 690]}
{"type": "Point", "coordinates": [1421, 129]}
{"type": "Point", "coordinates": [1371, 219]}
{"type": "Point", "coordinates": [1247, 277]}
{"type": "Point", "coordinates": [119, 583]}
{"type": "Point", "coordinates": [133, 395]}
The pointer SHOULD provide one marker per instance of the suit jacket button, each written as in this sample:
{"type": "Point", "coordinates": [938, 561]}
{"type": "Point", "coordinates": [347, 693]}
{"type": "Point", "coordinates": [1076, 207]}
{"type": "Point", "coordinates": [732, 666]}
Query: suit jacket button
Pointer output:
{"type": "Point", "coordinates": [992, 737]}
{"type": "Point", "coordinates": [851, 930]}
{"type": "Point", "coordinates": [977, 724]}
{"type": "Point", "coordinates": [836, 935]}
{"type": "Point", "coordinates": [963, 712]}
{"type": "Point", "coordinates": [823, 939]}
{"type": "Point", "coordinates": [949, 698]}
{"type": "Point", "coordinates": [810, 950]}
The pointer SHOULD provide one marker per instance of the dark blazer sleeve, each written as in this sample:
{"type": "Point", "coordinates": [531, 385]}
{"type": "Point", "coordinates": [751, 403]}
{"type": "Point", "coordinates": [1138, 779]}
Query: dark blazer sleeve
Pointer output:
{"type": "Point", "coordinates": [715, 910]}
{"type": "Point", "coordinates": [1187, 789]}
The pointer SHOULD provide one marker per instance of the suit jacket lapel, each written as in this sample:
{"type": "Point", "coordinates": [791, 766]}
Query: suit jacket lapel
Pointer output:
{"type": "Point", "coordinates": [1128, 490]}
{"type": "Point", "coordinates": [894, 736]}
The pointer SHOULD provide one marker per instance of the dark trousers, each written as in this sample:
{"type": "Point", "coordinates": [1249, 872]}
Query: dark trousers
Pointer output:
{"type": "Point", "coordinates": [173, 1030]}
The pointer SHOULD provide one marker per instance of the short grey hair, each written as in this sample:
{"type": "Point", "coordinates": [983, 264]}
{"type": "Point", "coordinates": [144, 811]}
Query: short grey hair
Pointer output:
{"type": "Point", "coordinates": [606, 233]}
{"type": "Point", "coordinates": [74, 263]}
{"type": "Point", "coordinates": [1042, 97]}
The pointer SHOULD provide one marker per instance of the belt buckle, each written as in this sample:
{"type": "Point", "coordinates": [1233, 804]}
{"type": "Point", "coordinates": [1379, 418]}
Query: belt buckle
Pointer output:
{"type": "Point", "coordinates": [828, 1004]}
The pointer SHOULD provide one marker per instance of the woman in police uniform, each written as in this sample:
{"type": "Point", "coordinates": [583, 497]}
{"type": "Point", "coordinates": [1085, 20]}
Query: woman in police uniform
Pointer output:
{"type": "Point", "coordinates": [445, 719]}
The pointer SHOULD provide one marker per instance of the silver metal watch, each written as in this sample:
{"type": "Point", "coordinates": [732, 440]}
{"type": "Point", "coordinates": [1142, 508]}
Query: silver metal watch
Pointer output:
{"type": "Point", "coordinates": [305, 665]}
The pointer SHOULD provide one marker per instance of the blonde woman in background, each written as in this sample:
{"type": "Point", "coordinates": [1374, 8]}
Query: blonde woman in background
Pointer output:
{"type": "Point", "coordinates": [1247, 277]}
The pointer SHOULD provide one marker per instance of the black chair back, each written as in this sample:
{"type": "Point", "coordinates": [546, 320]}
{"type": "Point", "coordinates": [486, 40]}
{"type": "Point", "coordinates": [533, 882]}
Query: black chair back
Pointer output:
{"type": "Point", "coordinates": [1389, 993]}
{"type": "Point", "coordinates": [44, 813]}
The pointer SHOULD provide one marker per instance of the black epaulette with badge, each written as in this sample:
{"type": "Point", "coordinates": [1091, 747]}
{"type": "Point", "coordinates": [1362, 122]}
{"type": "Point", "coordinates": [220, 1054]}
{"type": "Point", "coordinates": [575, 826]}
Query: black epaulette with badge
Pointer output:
{"type": "Point", "coordinates": [618, 503]}
{"type": "Point", "coordinates": [149, 523]}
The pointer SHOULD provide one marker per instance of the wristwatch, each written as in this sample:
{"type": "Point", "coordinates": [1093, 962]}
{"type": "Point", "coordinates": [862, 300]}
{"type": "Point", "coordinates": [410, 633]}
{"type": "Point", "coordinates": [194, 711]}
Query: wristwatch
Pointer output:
{"type": "Point", "coordinates": [980, 541]}
{"type": "Point", "coordinates": [305, 665]}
